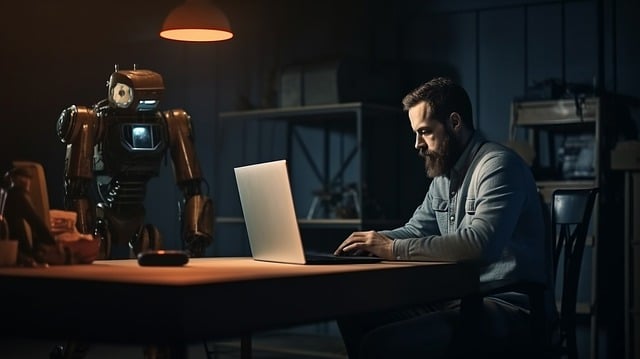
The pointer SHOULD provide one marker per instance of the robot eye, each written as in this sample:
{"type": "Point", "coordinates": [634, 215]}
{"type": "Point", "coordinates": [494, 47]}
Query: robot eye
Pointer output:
{"type": "Point", "coordinates": [121, 95]}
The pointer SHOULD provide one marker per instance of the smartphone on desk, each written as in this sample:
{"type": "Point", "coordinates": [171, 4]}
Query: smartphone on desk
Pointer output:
{"type": "Point", "coordinates": [163, 258]}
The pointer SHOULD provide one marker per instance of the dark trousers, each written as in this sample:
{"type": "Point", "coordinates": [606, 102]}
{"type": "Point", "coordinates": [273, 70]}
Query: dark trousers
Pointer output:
{"type": "Point", "coordinates": [440, 330]}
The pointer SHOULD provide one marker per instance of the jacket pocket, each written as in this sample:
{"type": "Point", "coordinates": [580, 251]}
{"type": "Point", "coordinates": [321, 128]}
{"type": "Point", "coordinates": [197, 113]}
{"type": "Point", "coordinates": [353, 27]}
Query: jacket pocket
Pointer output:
{"type": "Point", "coordinates": [470, 206]}
{"type": "Point", "coordinates": [440, 207]}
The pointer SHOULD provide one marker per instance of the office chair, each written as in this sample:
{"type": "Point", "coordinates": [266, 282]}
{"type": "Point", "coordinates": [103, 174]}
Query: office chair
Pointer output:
{"type": "Point", "coordinates": [570, 217]}
{"type": "Point", "coordinates": [535, 343]}
{"type": "Point", "coordinates": [552, 328]}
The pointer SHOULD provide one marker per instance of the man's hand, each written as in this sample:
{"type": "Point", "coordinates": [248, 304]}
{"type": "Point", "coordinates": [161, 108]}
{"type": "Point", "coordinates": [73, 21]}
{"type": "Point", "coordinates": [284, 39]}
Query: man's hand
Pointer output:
{"type": "Point", "coordinates": [370, 241]}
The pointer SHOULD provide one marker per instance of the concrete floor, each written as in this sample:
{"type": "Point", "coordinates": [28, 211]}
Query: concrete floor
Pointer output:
{"type": "Point", "coordinates": [272, 345]}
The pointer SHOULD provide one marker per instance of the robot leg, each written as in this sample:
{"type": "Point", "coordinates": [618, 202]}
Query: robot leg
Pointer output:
{"type": "Point", "coordinates": [147, 238]}
{"type": "Point", "coordinates": [124, 233]}
{"type": "Point", "coordinates": [104, 236]}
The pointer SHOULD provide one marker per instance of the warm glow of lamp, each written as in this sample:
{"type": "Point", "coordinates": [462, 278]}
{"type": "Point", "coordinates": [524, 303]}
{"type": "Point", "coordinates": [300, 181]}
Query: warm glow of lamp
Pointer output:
{"type": "Point", "coordinates": [196, 20]}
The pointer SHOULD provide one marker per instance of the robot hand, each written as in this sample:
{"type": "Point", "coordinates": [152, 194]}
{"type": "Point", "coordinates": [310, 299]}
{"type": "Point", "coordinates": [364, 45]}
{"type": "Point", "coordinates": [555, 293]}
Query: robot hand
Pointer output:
{"type": "Point", "coordinates": [198, 224]}
{"type": "Point", "coordinates": [196, 245]}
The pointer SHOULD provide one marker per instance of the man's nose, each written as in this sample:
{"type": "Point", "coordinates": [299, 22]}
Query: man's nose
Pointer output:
{"type": "Point", "coordinates": [419, 142]}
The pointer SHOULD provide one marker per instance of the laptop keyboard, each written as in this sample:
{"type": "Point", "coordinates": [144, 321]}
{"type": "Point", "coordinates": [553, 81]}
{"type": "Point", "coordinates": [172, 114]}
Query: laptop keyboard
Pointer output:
{"type": "Point", "coordinates": [322, 257]}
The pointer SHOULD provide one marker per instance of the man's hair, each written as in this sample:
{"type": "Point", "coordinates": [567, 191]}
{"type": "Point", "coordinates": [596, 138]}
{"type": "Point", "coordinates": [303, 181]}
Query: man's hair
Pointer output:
{"type": "Point", "coordinates": [444, 97]}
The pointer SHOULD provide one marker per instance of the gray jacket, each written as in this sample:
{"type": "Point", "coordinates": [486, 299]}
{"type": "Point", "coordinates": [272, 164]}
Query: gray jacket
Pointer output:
{"type": "Point", "coordinates": [487, 211]}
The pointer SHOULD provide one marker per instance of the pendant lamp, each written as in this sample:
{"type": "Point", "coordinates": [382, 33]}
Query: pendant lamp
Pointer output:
{"type": "Point", "coordinates": [196, 20]}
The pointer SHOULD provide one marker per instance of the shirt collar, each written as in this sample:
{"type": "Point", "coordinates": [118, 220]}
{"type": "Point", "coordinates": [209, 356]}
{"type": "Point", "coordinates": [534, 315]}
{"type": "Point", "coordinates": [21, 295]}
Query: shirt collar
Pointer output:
{"type": "Point", "coordinates": [462, 164]}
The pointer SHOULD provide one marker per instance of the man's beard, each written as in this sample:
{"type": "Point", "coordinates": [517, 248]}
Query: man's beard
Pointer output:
{"type": "Point", "coordinates": [440, 163]}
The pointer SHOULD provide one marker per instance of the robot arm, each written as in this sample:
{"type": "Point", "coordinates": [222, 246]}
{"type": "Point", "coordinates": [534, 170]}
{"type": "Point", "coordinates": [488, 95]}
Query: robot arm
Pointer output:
{"type": "Point", "coordinates": [78, 128]}
{"type": "Point", "coordinates": [197, 216]}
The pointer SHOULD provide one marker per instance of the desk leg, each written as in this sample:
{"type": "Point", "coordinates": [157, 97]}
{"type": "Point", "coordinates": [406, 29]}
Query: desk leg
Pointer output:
{"type": "Point", "coordinates": [245, 347]}
{"type": "Point", "coordinates": [179, 351]}
{"type": "Point", "coordinates": [173, 351]}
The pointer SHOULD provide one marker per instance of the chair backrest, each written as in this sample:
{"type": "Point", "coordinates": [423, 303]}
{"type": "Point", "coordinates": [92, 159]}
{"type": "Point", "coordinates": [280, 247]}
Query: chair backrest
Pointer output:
{"type": "Point", "coordinates": [38, 194]}
{"type": "Point", "coordinates": [571, 211]}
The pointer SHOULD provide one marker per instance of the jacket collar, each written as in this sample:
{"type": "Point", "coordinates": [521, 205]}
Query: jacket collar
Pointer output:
{"type": "Point", "coordinates": [462, 164]}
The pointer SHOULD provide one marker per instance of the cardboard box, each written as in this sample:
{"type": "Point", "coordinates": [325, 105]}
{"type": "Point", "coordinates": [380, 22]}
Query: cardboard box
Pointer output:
{"type": "Point", "coordinates": [332, 82]}
{"type": "Point", "coordinates": [626, 156]}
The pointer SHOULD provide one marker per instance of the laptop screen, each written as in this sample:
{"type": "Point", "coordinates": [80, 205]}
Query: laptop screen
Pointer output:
{"type": "Point", "coordinates": [269, 213]}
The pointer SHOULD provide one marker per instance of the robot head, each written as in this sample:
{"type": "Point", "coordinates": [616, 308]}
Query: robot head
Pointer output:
{"type": "Point", "coordinates": [135, 90]}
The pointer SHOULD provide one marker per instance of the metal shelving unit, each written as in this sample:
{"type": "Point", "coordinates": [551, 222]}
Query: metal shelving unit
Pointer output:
{"type": "Point", "coordinates": [364, 143]}
{"type": "Point", "coordinates": [367, 126]}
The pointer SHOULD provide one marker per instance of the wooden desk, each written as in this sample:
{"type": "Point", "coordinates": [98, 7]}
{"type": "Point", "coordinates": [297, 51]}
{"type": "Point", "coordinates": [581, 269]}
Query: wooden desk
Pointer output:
{"type": "Point", "coordinates": [120, 302]}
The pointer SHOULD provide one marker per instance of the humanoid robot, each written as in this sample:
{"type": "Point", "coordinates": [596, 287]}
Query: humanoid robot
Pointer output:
{"type": "Point", "coordinates": [120, 143]}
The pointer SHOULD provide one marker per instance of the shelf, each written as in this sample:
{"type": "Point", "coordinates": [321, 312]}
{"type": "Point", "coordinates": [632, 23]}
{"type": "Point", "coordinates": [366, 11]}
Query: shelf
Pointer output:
{"type": "Point", "coordinates": [554, 113]}
{"type": "Point", "coordinates": [349, 223]}
{"type": "Point", "coordinates": [303, 222]}
{"type": "Point", "coordinates": [306, 112]}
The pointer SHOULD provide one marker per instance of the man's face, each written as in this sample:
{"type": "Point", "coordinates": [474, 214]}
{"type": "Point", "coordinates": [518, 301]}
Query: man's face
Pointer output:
{"type": "Point", "coordinates": [435, 141]}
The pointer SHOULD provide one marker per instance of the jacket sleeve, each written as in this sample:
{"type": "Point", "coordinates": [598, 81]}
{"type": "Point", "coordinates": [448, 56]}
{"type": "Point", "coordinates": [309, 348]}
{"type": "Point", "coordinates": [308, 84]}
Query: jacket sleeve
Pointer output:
{"type": "Point", "coordinates": [422, 221]}
{"type": "Point", "coordinates": [497, 195]}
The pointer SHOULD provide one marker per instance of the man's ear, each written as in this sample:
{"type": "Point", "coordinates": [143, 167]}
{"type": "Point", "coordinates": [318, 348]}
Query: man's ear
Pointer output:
{"type": "Point", "coordinates": [455, 120]}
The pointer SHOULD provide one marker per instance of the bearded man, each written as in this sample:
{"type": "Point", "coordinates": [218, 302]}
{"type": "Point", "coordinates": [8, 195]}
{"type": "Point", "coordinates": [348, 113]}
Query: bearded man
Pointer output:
{"type": "Point", "coordinates": [482, 206]}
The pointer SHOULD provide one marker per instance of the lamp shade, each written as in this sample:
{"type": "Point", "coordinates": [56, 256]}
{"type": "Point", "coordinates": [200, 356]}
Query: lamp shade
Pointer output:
{"type": "Point", "coordinates": [196, 20]}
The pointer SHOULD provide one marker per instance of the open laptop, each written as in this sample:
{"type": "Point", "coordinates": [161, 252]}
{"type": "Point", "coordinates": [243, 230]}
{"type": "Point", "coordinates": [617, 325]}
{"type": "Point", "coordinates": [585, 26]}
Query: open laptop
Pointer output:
{"type": "Point", "coordinates": [270, 217]}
